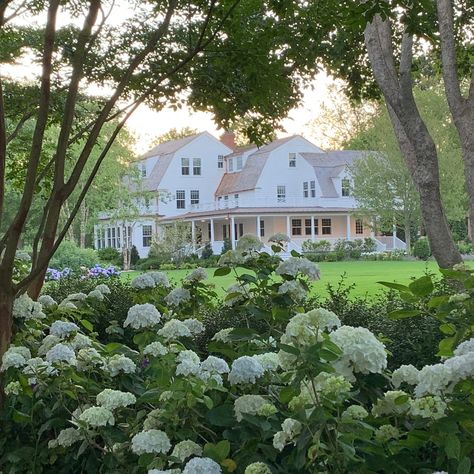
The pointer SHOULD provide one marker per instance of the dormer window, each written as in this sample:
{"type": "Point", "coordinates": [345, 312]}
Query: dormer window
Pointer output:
{"type": "Point", "coordinates": [345, 187]}
{"type": "Point", "coordinates": [231, 165]}
{"type": "Point", "coordinates": [239, 163]}
{"type": "Point", "coordinates": [292, 160]}
{"type": "Point", "coordinates": [143, 170]}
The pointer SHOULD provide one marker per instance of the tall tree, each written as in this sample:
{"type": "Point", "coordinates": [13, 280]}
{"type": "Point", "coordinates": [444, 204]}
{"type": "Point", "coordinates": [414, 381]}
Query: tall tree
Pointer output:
{"type": "Point", "coordinates": [174, 134]}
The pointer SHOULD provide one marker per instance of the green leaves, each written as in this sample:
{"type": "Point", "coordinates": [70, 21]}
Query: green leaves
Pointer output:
{"type": "Point", "coordinates": [218, 451]}
{"type": "Point", "coordinates": [222, 415]}
{"type": "Point", "coordinates": [403, 313]}
{"type": "Point", "coordinates": [422, 287]}
{"type": "Point", "coordinates": [452, 447]}
{"type": "Point", "coordinates": [223, 271]}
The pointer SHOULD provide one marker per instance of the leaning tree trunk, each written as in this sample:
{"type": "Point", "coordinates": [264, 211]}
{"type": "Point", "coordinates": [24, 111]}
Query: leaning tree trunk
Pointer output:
{"type": "Point", "coordinates": [6, 319]}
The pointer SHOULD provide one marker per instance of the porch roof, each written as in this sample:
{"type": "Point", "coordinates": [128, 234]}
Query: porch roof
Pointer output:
{"type": "Point", "coordinates": [256, 211]}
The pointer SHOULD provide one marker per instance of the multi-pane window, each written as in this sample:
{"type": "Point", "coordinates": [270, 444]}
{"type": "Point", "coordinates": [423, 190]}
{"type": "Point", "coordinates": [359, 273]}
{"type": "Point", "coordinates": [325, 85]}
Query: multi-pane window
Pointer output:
{"type": "Point", "coordinates": [238, 230]}
{"type": "Point", "coordinates": [185, 166]}
{"type": "Point", "coordinates": [195, 196]}
{"type": "Point", "coordinates": [312, 185]}
{"type": "Point", "coordinates": [181, 199]}
{"type": "Point", "coordinates": [220, 161]}
{"type": "Point", "coordinates": [209, 232]}
{"type": "Point", "coordinates": [238, 165]}
{"type": "Point", "coordinates": [197, 166]}
{"type": "Point", "coordinates": [226, 201]}
{"type": "Point", "coordinates": [281, 193]}
{"type": "Point", "coordinates": [296, 227]}
{"type": "Point", "coordinates": [359, 226]}
{"type": "Point", "coordinates": [326, 226]}
{"type": "Point", "coordinates": [224, 231]}
{"type": "Point", "coordinates": [146, 235]}
{"type": "Point", "coordinates": [143, 170]}
{"type": "Point", "coordinates": [109, 237]}
{"type": "Point", "coordinates": [292, 160]}
{"type": "Point", "coordinates": [118, 243]}
{"type": "Point", "coordinates": [345, 187]}
{"type": "Point", "coordinates": [262, 228]}
{"type": "Point", "coordinates": [307, 227]}
{"type": "Point", "coordinates": [236, 200]}
{"type": "Point", "coordinates": [305, 189]}
{"type": "Point", "coordinates": [231, 164]}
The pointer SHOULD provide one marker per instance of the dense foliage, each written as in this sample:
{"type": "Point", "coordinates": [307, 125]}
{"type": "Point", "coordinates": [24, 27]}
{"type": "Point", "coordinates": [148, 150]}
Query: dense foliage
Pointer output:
{"type": "Point", "coordinates": [305, 392]}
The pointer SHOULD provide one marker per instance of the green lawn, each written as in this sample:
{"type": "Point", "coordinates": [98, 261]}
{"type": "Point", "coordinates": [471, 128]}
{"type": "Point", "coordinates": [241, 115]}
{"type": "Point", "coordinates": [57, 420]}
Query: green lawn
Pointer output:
{"type": "Point", "coordinates": [363, 273]}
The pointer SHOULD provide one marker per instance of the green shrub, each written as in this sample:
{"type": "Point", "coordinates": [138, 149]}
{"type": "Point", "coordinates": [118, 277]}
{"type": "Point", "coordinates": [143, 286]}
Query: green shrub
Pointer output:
{"type": "Point", "coordinates": [369, 245]}
{"type": "Point", "coordinates": [207, 251]}
{"type": "Point", "coordinates": [248, 243]}
{"type": "Point", "coordinates": [69, 255]}
{"type": "Point", "coordinates": [168, 266]}
{"type": "Point", "coordinates": [464, 247]}
{"type": "Point", "coordinates": [227, 246]}
{"type": "Point", "coordinates": [149, 263]}
{"type": "Point", "coordinates": [108, 254]}
{"type": "Point", "coordinates": [279, 238]}
{"type": "Point", "coordinates": [316, 246]}
{"type": "Point", "coordinates": [422, 249]}
{"type": "Point", "coordinates": [134, 256]}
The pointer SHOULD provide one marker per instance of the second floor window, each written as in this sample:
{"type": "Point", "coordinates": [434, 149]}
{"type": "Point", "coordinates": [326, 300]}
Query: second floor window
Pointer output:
{"type": "Point", "coordinates": [345, 187]}
{"type": "Point", "coordinates": [292, 160]}
{"type": "Point", "coordinates": [197, 166]}
{"type": "Point", "coordinates": [146, 235]}
{"type": "Point", "coordinates": [238, 165]}
{"type": "Point", "coordinates": [143, 170]}
{"type": "Point", "coordinates": [313, 188]}
{"type": "Point", "coordinates": [181, 199]}
{"type": "Point", "coordinates": [226, 201]}
{"type": "Point", "coordinates": [231, 165]}
{"type": "Point", "coordinates": [305, 189]}
{"type": "Point", "coordinates": [185, 166]}
{"type": "Point", "coordinates": [281, 193]}
{"type": "Point", "coordinates": [195, 196]}
{"type": "Point", "coordinates": [220, 161]}
{"type": "Point", "coordinates": [236, 199]}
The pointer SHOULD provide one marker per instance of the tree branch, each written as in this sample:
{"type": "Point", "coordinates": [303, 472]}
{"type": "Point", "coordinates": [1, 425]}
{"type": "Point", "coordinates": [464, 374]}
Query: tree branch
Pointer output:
{"type": "Point", "coordinates": [3, 151]}
{"type": "Point", "coordinates": [25, 117]}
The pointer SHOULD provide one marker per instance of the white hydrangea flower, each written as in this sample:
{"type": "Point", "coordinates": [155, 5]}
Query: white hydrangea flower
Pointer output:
{"type": "Point", "coordinates": [432, 379]}
{"type": "Point", "coordinates": [236, 293]}
{"type": "Point", "coordinates": [160, 279]}
{"type": "Point", "coordinates": [354, 412]}
{"type": "Point", "coordinates": [248, 405]}
{"type": "Point", "coordinates": [66, 438]}
{"type": "Point", "coordinates": [151, 441]}
{"type": "Point", "coordinates": [215, 365]}
{"type": "Point", "coordinates": [195, 327]}
{"type": "Point", "coordinates": [47, 343]}
{"type": "Point", "coordinates": [292, 288]}
{"type": "Point", "coordinates": [405, 373]}
{"type": "Point", "coordinates": [46, 301]}
{"type": "Point", "coordinates": [458, 298]}
{"type": "Point", "coordinates": [96, 295]}
{"type": "Point", "coordinates": [63, 329]}
{"type": "Point", "coordinates": [245, 369]}
{"type": "Point", "coordinates": [120, 363]}
{"type": "Point", "coordinates": [279, 440]}
{"type": "Point", "coordinates": [61, 353]}
{"type": "Point", "coordinates": [202, 466]}
{"type": "Point", "coordinates": [294, 265]}
{"type": "Point", "coordinates": [37, 367]}
{"type": "Point", "coordinates": [291, 427]}
{"type": "Point", "coordinates": [143, 281]}
{"type": "Point", "coordinates": [76, 297]}
{"type": "Point", "coordinates": [112, 399]}
{"type": "Point", "coordinates": [465, 347]}
{"type": "Point", "coordinates": [67, 305]}
{"type": "Point", "coordinates": [269, 361]}
{"type": "Point", "coordinates": [168, 471]}
{"type": "Point", "coordinates": [174, 329]}
{"type": "Point", "coordinates": [428, 407]}
{"type": "Point", "coordinates": [178, 296]}
{"type": "Point", "coordinates": [142, 316]}
{"type": "Point", "coordinates": [461, 367]}
{"type": "Point", "coordinates": [199, 274]}
{"type": "Point", "coordinates": [388, 404]}
{"type": "Point", "coordinates": [155, 349]}
{"type": "Point", "coordinates": [13, 388]}
{"type": "Point", "coordinates": [185, 449]}
{"type": "Point", "coordinates": [88, 357]}
{"type": "Point", "coordinates": [386, 433]}
{"type": "Point", "coordinates": [103, 288]}
{"type": "Point", "coordinates": [25, 308]}
{"type": "Point", "coordinates": [15, 356]}
{"type": "Point", "coordinates": [189, 363]}
{"type": "Point", "coordinates": [80, 341]}
{"type": "Point", "coordinates": [362, 352]}
{"type": "Point", "coordinates": [257, 468]}
{"type": "Point", "coordinates": [97, 416]}
{"type": "Point", "coordinates": [222, 335]}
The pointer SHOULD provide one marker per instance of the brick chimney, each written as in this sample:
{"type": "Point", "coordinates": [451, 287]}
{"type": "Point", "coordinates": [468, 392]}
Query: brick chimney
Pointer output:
{"type": "Point", "coordinates": [228, 139]}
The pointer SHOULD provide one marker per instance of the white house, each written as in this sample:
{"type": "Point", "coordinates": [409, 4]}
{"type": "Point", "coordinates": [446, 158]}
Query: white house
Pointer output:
{"type": "Point", "coordinates": [289, 186]}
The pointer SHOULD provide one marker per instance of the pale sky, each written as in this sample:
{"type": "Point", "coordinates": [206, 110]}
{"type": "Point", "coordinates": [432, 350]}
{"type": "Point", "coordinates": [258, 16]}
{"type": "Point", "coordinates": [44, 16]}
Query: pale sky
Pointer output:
{"type": "Point", "coordinates": [147, 124]}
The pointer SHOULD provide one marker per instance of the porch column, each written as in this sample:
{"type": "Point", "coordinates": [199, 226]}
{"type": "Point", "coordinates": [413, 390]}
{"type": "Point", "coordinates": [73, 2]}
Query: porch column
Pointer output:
{"type": "Point", "coordinates": [348, 227]}
{"type": "Point", "coordinates": [212, 233]}
{"type": "Point", "coordinates": [232, 232]}
{"type": "Point", "coordinates": [257, 232]}
{"type": "Point", "coordinates": [288, 229]}
{"type": "Point", "coordinates": [312, 228]}
{"type": "Point", "coordinates": [394, 236]}
{"type": "Point", "coordinates": [193, 235]}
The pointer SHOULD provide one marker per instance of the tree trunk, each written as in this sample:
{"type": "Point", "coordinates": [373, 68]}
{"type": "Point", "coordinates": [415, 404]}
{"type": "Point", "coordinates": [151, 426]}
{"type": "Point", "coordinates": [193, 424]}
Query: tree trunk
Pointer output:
{"type": "Point", "coordinates": [6, 319]}
{"type": "Point", "coordinates": [468, 155]}
{"type": "Point", "coordinates": [408, 232]}
{"type": "Point", "coordinates": [83, 225]}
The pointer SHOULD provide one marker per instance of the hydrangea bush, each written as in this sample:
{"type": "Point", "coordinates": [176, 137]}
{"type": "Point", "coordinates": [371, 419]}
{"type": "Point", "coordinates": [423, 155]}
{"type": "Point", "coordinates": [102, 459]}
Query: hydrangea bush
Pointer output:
{"type": "Point", "coordinates": [302, 394]}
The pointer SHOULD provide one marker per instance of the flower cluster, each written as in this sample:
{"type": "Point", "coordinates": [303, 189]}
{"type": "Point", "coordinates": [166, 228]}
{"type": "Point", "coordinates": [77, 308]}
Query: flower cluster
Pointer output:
{"type": "Point", "coordinates": [25, 308]}
{"type": "Point", "coordinates": [290, 428]}
{"type": "Point", "coordinates": [297, 265]}
{"type": "Point", "coordinates": [245, 369]}
{"type": "Point", "coordinates": [99, 271]}
{"type": "Point", "coordinates": [178, 296]}
{"type": "Point", "coordinates": [151, 441]}
{"type": "Point", "coordinates": [199, 274]}
{"type": "Point", "coordinates": [54, 275]}
{"type": "Point", "coordinates": [142, 316]}
{"type": "Point", "coordinates": [112, 399]}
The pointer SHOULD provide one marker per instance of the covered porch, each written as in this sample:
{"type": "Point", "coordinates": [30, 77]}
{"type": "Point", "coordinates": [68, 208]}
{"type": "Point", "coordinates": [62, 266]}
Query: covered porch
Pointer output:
{"type": "Point", "coordinates": [315, 224]}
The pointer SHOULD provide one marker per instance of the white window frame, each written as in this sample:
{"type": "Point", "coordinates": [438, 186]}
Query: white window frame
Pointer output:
{"type": "Point", "coordinates": [231, 165]}
{"type": "Point", "coordinates": [345, 187]}
{"type": "Point", "coordinates": [312, 187]}
{"type": "Point", "coordinates": [185, 166]}
{"type": "Point", "coordinates": [147, 233]}
{"type": "Point", "coordinates": [180, 199]}
{"type": "Point", "coordinates": [238, 163]}
{"type": "Point", "coordinates": [194, 196]}
{"type": "Point", "coordinates": [197, 163]}
{"type": "Point", "coordinates": [291, 160]}
{"type": "Point", "coordinates": [281, 193]}
{"type": "Point", "coordinates": [305, 189]}
{"type": "Point", "coordinates": [220, 161]}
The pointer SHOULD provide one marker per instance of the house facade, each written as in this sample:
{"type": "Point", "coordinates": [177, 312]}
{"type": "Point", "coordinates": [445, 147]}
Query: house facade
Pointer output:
{"type": "Point", "coordinates": [288, 186]}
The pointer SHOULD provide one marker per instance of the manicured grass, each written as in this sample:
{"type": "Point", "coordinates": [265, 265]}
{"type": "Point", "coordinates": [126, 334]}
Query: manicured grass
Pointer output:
{"type": "Point", "coordinates": [364, 274]}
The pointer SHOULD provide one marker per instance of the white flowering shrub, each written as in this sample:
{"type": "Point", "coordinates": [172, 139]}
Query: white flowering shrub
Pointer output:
{"type": "Point", "coordinates": [289, 391]}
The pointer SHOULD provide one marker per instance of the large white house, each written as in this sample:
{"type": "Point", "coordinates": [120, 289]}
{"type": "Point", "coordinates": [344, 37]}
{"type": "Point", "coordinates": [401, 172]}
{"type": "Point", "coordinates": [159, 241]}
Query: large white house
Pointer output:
{"type": "Point", "coordinates": [288, 186]}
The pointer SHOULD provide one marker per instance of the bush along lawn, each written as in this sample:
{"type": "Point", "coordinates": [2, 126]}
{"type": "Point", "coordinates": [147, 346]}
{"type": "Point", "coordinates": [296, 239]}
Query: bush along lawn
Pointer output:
{"type": "Point", "coordinates": [261, 380]}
